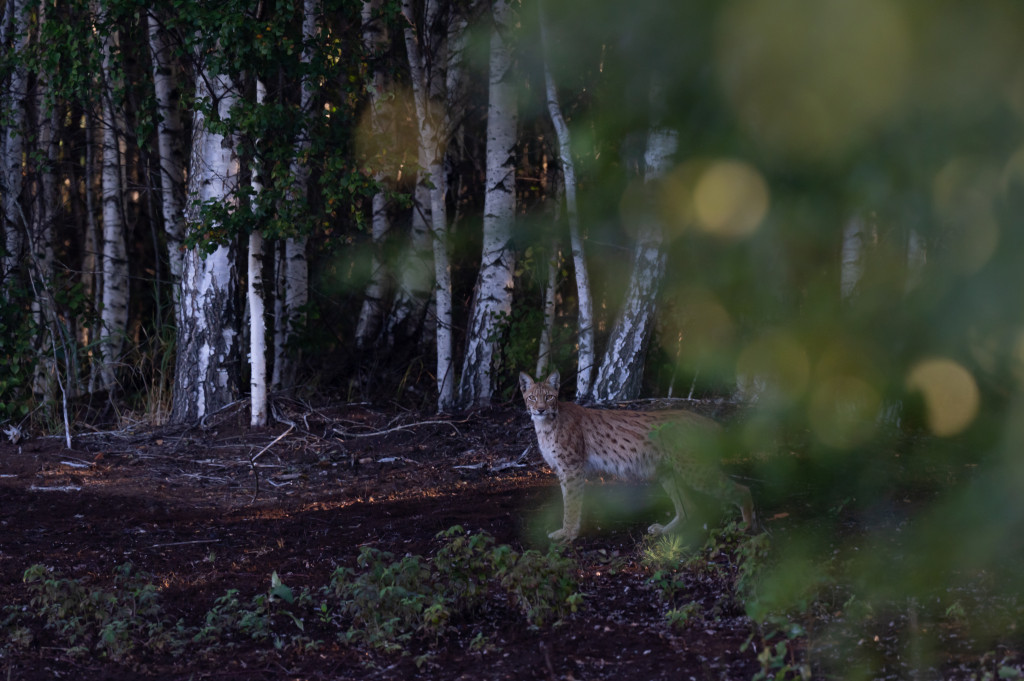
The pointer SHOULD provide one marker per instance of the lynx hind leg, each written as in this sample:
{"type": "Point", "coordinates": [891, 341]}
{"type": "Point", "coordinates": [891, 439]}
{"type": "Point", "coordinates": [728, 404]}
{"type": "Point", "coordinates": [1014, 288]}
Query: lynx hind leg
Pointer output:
{"type": "Point", "coordinates": [572, 507]}
{"type": "Point", "coordinates": [712, 481]}
{"type": "Point", "coordinates": [677, 495]}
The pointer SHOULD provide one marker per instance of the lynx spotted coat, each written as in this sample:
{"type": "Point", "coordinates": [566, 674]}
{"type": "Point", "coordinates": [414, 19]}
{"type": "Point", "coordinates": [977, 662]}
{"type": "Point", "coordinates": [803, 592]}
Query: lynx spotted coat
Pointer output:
{"type": "Point", "coordinates": [629, 444]}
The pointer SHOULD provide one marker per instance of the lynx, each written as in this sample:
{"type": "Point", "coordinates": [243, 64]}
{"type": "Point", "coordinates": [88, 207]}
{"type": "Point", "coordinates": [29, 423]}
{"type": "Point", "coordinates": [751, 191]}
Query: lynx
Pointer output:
{"type": "Point", "coordinates": [633, 445]}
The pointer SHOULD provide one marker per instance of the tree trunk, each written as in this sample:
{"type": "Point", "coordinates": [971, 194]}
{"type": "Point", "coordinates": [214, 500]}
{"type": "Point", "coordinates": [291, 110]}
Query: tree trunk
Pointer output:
{"type": "Point", "coordinates": [585, 361]}
{"type": "Point", "coordinates": [169, 134]}
{"type": "Point", "coordinates": [291, 268]}
{"type": "Point", "coordinates": [550, 298]}
{"type": "Point", "coordinates": [621, 372]}
{"type": "Point", "coordinates": [14, 98]}
{"type": "Point", "coordinates": [257, 333]}
{"type": "Point", "coordinates": [40, 246]}
{"type": "Point", "coordinates": [254, 293]}
{"type": "Point", "coordinates": [415, 273]}
{"type": "Point", "coordinates": [114, 311]}
{"type": "Point", "coordinates": [207, 371]}
{"type": "Point", "coordinates": [425, 60]}
{"type": "Point", "coordinates": [856, 235]}
{"type": "Point", "coordinates": [375, 42]}
{"type": "Point", "coordinates": [493, 294]}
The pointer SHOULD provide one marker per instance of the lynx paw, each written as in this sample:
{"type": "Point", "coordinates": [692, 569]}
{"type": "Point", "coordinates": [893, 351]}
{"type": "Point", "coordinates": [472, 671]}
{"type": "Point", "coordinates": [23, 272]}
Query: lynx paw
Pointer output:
{"type": "Point", "coordinates": [656, 529]}
{"type": "Point", "coordinates": [561, 535]}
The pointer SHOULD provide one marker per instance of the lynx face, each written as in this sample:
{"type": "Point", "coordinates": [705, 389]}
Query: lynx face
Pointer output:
{"type": "Point", "coordinates": [541, 397]}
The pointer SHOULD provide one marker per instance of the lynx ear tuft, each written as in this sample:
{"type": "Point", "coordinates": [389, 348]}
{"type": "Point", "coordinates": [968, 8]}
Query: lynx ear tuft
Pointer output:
{"type": "Point", "coordinates": [525, 382]}
{"type": "Point", "coordinates": [553, 380]}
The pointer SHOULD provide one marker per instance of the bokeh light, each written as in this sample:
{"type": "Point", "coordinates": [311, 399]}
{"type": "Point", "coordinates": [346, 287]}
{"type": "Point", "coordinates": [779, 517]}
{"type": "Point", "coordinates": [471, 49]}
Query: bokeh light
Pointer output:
{"type": "Point", "coordinates": [950, 394]}
{"type": "Point", "coordinates": [809, 79]}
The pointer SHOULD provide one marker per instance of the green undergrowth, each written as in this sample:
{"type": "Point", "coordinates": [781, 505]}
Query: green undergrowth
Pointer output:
{"type": "Point", "coordinates": [395, 604]}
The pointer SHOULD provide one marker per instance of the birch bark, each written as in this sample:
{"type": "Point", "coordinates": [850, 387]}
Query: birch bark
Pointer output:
{"type": "Point", "coordinates": [493, 294]}
{"type": "Point", "coordinates": [169, 132]}
{"type": "Point", "coordinates": [291, 267]}
{"type": "Point", "coordinates": [375, 43]}
{"type": "Point", "coordinates": [257, 308]}
{"type": "Point", "coordinates": [14, 105]}
{"type": "Point", "coordinates": [621, 372]}
{"type": "Point", "coordinates": [585, 348]}
{"type": "Point", "coordinates": [207, 368]}
{"type": "Point", "coordinates": [114, 311]}
{"type": "Point", "coordinates": [426, 54]}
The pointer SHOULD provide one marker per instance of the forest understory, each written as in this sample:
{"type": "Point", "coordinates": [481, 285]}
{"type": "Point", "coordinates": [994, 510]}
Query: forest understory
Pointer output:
{"type": "Point", "coordinates": [174, 553]}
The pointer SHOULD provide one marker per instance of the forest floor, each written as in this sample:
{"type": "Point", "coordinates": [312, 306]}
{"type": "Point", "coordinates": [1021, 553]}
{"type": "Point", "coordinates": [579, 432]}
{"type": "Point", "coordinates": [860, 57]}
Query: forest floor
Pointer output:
{"type": "Point", "coordinates": [214, 520]}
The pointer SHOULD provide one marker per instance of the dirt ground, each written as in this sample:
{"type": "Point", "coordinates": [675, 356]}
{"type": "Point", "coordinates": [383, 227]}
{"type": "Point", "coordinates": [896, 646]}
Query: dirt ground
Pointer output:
{"type": "Point", "coordinates": [207, 509]}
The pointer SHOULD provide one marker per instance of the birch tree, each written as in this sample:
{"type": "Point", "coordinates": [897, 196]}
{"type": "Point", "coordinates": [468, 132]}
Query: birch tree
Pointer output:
{"type": "Point", "coordinates": [13, 106]}
{"type": "Point", "coordinates": [431, 61]}
{"type": "Point", "coordinates": [585, 321]}
{"type": "Point", "coordinates": [206, 373]}
{"type": "Point", "coordinates": [621, 371]}
{"type": "Point", "coordinates": [291, 266]}
{"type": "Point", "coordinates": [493, 292]}
{"type": "Point", "coordinates": [257, 308]}
{"type": "Point", "coordinates": [375, 43]}
{"type": "Point", "coordinates": [114, 310]}
{"type": "Point", "coordinates": [169, 152]}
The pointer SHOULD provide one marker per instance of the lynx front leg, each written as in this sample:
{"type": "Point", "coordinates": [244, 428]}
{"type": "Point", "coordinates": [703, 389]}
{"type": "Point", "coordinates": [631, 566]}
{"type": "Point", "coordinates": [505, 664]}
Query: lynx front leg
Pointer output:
{"type": "Point", "coordinates": [572, 505]}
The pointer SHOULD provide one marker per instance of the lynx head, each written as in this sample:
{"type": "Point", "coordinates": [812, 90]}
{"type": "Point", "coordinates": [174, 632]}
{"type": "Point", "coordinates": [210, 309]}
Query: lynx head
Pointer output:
{"type": "Point", "coordinates": [541, 396]}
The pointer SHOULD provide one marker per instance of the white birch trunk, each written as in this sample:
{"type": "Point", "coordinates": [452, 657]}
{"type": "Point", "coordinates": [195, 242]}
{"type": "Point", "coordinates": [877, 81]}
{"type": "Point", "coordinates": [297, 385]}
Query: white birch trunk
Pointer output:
{"type": "Point", "coordinates": [114, 311]}
{"type": "Point", "coordinates": [15, 97]}
{"type": "Point", "coordinates": [426, 88]}
{"type": "Point", "coordinates": [169, 131]}
{"type": "Point", "coordinates": [585, 351]}
{"type": "Point", "coordinates": [621, 372]}
{"type": "Point", "coordinates": [375, 41]}
{"type": "Point", "coordinates": [206, 374]}
{"type": "Point", "coordinates": [257, 309]}
{"type": "Point", "coordinates": [493, 295]}
{"type": "Point", "coordinates": [291, 267]}
{"type": "Point", "coordinates": [257, 333]}
{"type": "Point", "coordinates": [851, 271]}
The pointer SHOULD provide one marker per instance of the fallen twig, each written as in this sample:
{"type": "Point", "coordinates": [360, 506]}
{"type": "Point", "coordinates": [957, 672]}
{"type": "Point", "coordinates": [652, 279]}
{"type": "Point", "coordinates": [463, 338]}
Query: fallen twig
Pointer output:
{"type": "Point", "coordinates": [405, 426]}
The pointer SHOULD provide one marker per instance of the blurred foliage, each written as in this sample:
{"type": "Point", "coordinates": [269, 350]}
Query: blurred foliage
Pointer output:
{"type": "Point", "coordinates": [889, 416]}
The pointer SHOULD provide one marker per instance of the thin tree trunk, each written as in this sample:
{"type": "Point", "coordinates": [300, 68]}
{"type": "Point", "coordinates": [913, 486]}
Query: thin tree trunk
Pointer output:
{"type": "Point", "coordinates": [254, 292]}
{"type": "Point", "coordinates": [257, 333]}
{"type": "Point", "coordinates": [40, 244]}
{"type": "Point", "coordinates": [114, 312]}
{"type": "Point", "coordinates": [424, 60]}
{"type": "Point", "coordinates": [15, 97]}
{"type": "Point", "coordinates": [550, 298]}
{"type": "Point", "coordinates": [493, 295]}
{"type": "Point", "coordinates": [585, 353]}
{"type": "Point", "coordinates": [856, 235]}
{"type": "Point", "coordinates": [415, 273]}
{"type": "Point", "coordinates": [206, 375]}
{"type": "Point", "coordinates": [291, 267]}
{"type": "Point", "coordinates": [375, 42]}
{"type": "Point", "coordinates": [621, 372]}
{"type": "Point", "coordinates": [169, 132]}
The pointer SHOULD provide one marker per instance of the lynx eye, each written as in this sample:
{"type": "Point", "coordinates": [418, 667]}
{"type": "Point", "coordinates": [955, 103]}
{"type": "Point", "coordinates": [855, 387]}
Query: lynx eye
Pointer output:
{"type": "Point", "coordinates": [549, 397]}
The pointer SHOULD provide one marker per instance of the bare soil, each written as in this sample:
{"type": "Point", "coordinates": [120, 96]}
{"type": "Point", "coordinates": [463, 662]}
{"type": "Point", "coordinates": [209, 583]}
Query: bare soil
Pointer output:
{"type": "Point", "coordinates": [220, 507]}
